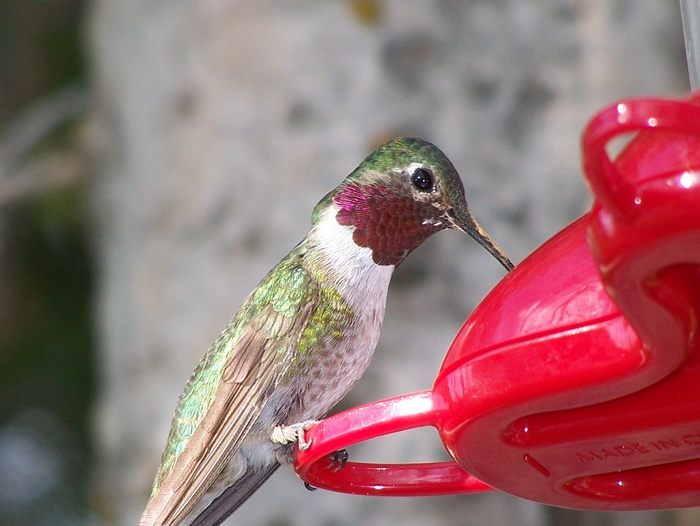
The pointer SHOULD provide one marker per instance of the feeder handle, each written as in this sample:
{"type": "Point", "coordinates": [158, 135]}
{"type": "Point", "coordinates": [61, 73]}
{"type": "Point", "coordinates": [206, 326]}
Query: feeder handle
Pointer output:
{"type": "Point", "coordinates": [371, 421]}
{"type": "Point", "coordinates": [616, 194]}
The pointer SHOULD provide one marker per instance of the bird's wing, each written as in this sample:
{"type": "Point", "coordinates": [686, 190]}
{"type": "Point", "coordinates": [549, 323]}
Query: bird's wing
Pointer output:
{"type": "Point", "coordinates": [262, 350]}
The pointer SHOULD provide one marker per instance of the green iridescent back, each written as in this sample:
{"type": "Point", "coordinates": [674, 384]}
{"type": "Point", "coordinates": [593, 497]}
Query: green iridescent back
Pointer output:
{"type": "Point", "coordinates": [285, 289]}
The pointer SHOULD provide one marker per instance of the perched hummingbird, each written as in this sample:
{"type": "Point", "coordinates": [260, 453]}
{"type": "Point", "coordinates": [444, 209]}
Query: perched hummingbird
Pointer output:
{"type": "Point", "coordinates": [305, 334]}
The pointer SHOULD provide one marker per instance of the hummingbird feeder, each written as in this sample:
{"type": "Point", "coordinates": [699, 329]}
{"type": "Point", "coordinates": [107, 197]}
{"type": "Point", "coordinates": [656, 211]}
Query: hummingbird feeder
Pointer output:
{"type": "Point", "coordinates": [576, 381]}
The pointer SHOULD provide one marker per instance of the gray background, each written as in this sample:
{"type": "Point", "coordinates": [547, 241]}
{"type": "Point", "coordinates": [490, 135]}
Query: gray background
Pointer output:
{"type": "Point", "coordinates": [218, 125]}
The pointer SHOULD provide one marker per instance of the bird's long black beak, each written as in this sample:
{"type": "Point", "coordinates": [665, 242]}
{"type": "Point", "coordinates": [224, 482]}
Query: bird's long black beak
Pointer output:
{"type": "Point", "coordinates": [468, 225]}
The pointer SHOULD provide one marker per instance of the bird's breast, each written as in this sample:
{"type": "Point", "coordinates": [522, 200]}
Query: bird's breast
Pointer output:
{"type": "Point", "coordinates": [346, 341]}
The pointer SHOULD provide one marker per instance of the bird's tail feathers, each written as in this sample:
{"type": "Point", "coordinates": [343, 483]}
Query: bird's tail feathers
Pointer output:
{"type": "Point", "coordinates": [233, 497]}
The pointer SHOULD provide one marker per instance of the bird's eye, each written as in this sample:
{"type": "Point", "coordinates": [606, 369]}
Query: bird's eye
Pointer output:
{"type": "Point", "coordinates": [423, 180]}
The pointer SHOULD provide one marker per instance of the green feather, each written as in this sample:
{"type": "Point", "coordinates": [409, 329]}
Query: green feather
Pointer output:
{"type": "Point", "coordinates": [286, 289]}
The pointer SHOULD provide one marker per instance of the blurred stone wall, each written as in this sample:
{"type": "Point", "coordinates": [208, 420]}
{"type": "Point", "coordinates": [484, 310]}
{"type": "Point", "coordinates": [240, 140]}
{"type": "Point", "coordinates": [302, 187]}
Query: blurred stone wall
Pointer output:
{"type": "Point", "coordinates": [220, 123]}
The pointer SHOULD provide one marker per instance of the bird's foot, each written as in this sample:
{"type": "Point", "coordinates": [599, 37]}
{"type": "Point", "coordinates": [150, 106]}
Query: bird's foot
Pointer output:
{"type": "Point", "coordinates": [293, 433]}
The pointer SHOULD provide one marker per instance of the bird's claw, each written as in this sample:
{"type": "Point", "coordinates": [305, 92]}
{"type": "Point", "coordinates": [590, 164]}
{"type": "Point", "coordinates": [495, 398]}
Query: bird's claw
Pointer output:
{"type": "Point", "coordinates": [338, 460]}
{"type": "Point", "coordinates": [293, 433]}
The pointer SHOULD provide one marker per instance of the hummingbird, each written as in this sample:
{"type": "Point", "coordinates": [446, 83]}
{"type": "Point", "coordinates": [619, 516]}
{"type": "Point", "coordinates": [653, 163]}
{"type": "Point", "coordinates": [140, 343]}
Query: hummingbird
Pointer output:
{"type": "Point", "coordinates": [305, 334]}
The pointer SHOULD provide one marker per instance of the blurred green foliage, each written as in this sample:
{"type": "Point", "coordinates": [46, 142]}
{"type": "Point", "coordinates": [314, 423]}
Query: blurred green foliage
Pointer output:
{"type": "Point", "coordinates": [45, 351]}
{"type": "Point", "coordinates": [46, 343]}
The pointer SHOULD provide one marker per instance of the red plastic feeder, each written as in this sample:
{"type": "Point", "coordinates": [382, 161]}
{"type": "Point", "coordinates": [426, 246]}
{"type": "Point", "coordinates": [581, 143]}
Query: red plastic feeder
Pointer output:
{"type": "Point", "coordinates": [576, 381]}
